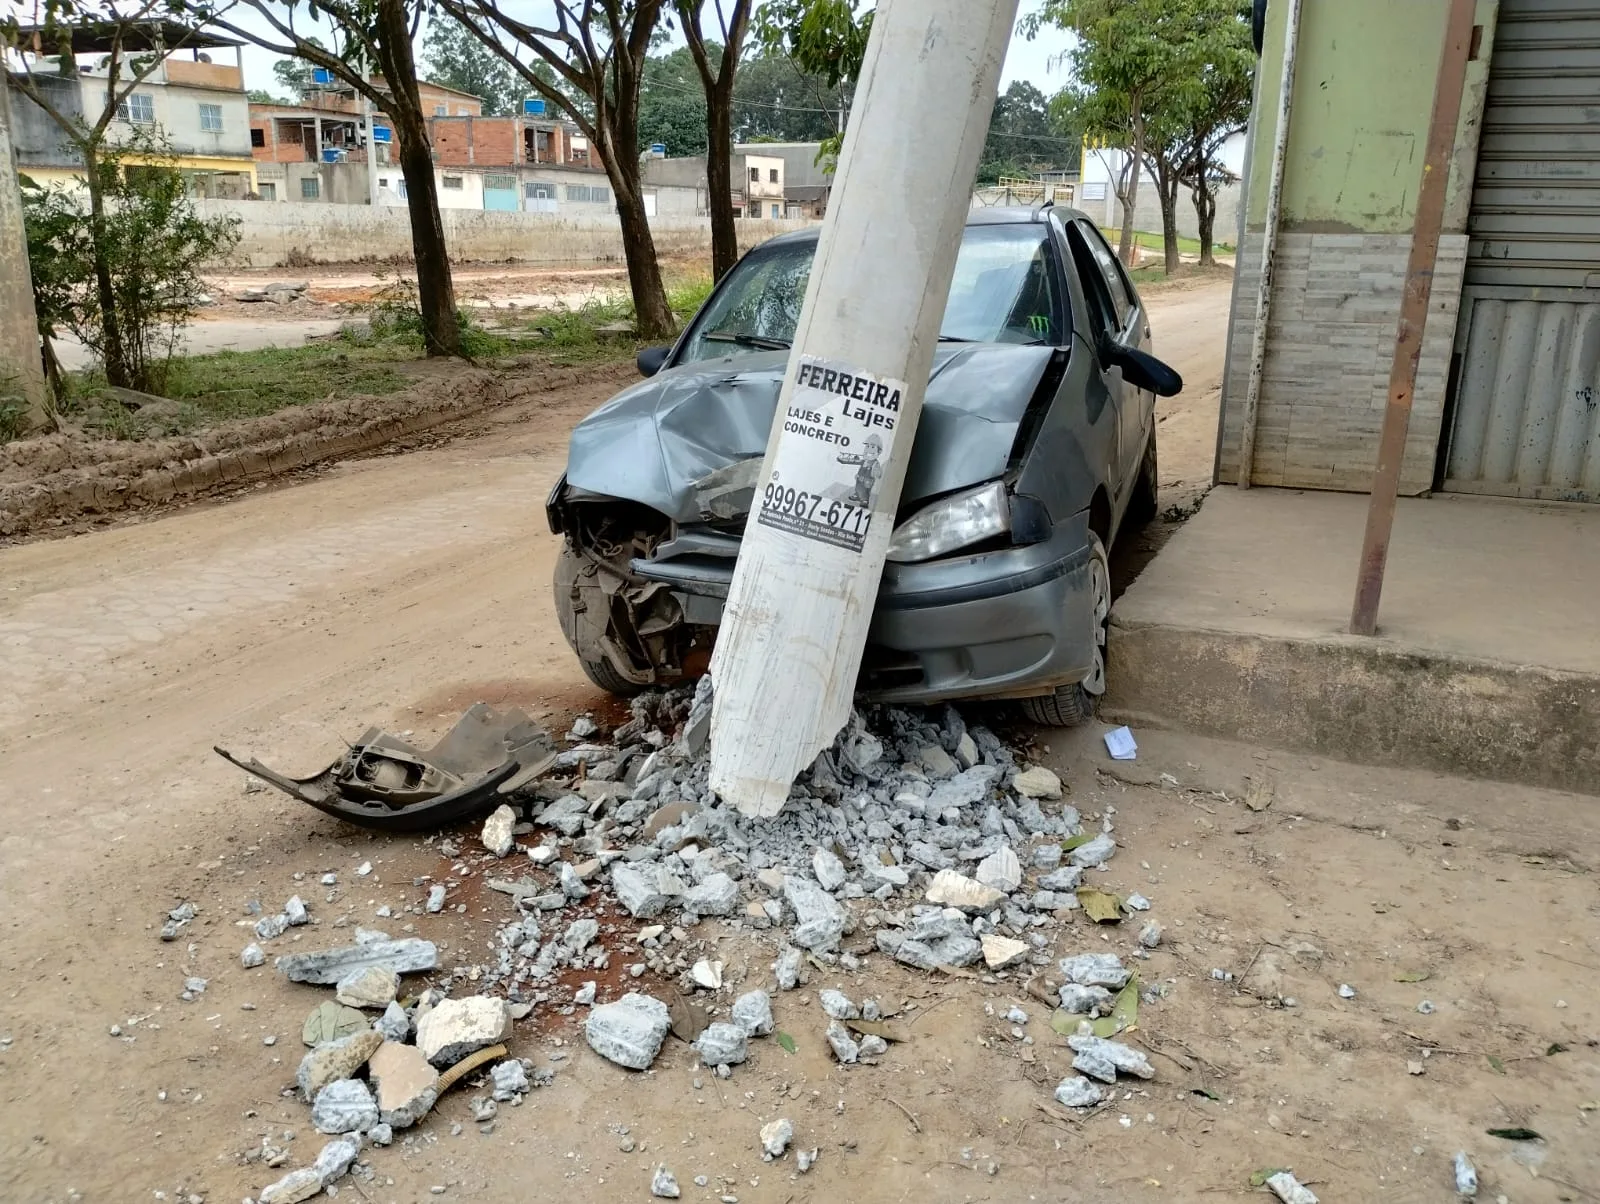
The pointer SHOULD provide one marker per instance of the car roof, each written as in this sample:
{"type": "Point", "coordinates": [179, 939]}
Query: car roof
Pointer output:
{"type": "Point", "coordinates": [998, 215]}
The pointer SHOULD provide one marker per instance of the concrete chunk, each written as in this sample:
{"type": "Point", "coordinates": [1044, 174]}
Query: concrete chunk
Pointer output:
{"type": "Point", "coordinates": [335, 1060]}
{"type": "Point", "coordinates": [1001, 952]}
{"type": "Point", "coordinates": [638, 890]}
{"type": "Point", "coordinates": [1000, 870]}
{"type": "Point", "coordinates": [628, 1032]}
{"type": "Point", "coordinates": [842, 1043]}
{"type": "Point", "coordinates": [394, 1024]}
{"type": "Point", "coordinates": [497, 830]}
{"type": "Point", "coordinates": [328, 966]}
{"type": "Point", "coordinates": [345, 1106]}
{"type": "Point", "coordinates": [405, 1083]}
{"type": "Point", "coordinates": [830, 872]}
{"type": "Point", "coordinates": [787, 968]}
{"type": "Point", "coordinates": [510, 1080]}
{"type": "Point", "coordinates": [294, 1187]}
{"type": "Point", "coordinates": [336, 1158]}
{"type": "Point", "coordinates": [1037, 782]}
{"type": "Point", "coordinates": [1096, 852]}
{"type": "Point", "coordinates": [1096, 970]}
{"type": "Point", "coordinates": [1078, 1092]}
{"type": "Point", "coordinates": [935, 761]}
{"type": "Point", "coordinates": [252, 956]}
{"type": "Point", "coordinates": [722, 1044]}
{"type": "Point", "coordinates": [838, 1005]}
{"type": "Point", "coordinates": [369, 987]}
{"type": "Point", "coordinates": [820, 920]}
{"type": "Point", "coordinates": [752, 1012]}
{"type": "Point", "coordinates": [775, 1138]}
{"type": "Point", "coordinates": [950, 889]}
{"type": "Point", "coordinates": [718, 895]}
{"type": "Point", "coordinates": [1124, 1057]}
{"type": "Point", "coordinates": [1085, 1001]}
{"type": "Point", "coordinates": [457, 1027]}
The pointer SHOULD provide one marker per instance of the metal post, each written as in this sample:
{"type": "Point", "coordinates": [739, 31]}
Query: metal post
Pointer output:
{"type": "Point", "coordinates": [1413, 314]}
{"type": "Point", "coordinates": [1269, 248]}
{"type": "Point", "coordinates": [803, 591]}
{"type": "Point", "coordinates": [21, 371]}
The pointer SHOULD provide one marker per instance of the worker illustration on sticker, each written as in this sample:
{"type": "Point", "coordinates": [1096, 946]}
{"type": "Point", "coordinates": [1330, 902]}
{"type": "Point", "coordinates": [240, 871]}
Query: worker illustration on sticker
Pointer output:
{"type": "Point", "coordinates": [868, 474]}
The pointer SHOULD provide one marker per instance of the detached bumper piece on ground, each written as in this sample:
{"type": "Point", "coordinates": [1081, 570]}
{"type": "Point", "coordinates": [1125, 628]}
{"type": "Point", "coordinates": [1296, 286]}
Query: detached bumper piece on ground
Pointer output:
{"type": "Point", "coordinates": [383, 782]}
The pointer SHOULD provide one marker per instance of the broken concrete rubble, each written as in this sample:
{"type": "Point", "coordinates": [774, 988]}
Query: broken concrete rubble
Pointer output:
{"type": "Point", "coordinates": [775, 1138]}
{"type": "Point", "coordinates": [456, 1027]}
{"type": "Point", "coordinates": [1101, 1054]}
{"type": "Point", "coordinates": [368, 987]}
{"type": "Point", "coordinates": [1001, 952]}
{"type": "Point", "coordinates": [328, 966]}
{"type": "Point", "coordinates": [497, 836]}
{"type": "Point", "coordinates": [722, 1045]}
{"type": "Point", "coordinates": [950, 889]}
{"type": "Point", "coordinates": [404, 1083]}
{"type": "Point", "coordinates": [344, 1106]}
{"type": "Point", "coordinates": [335, 1060]}
{"type": "Point", "coordinates": [819, 920]}
{"type": "Point", "coordinates": [752, 1012]}
{"type": "Point", "coordinates": [630, 1031]}
{"type": "Point", "coordinates": [1037, 782]}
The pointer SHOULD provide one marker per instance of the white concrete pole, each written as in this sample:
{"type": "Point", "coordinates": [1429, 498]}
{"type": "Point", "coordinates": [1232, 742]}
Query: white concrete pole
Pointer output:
{"type": "Point", "coordinates": [802, 596]}
{"type": "Point", "coordinates": [21, 372]}
{"type": "Point", "coordinates": [372, 151]}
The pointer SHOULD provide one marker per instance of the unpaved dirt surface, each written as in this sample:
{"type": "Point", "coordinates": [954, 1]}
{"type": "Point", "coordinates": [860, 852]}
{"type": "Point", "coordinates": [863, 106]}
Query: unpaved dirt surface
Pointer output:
{"type": "Point", "coordinates": [397, 590]}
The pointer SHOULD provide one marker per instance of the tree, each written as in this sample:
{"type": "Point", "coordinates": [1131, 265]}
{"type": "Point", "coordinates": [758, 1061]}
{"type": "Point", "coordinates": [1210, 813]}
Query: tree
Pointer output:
{"type": "Point", "coordinates": [672, 105]}
{"type": "Point", "coordinates": [1217, 110]}
{"type": "Point", "coordinates": [375, 33]}
{"type": "Point", "coordinates": [717, 64]}
{"type": "Point", "coordinates": [153, 244]}
{"type": "Point", "coordinates": [260, 96]}
{"type": "Point", "coordinates": [597, 50]}
{"type": "Point", "coordinates": [1023, 137]}
{"type": "Point", "coordinates": [294, 75]}
{"type": "Point", "coordinates": [456, 59]}
{"type": "Point", "coordinates": [1129, 56]}
{"type": "Point", "coordinates": [775, 101]}
{"type": "Point", "coordinates": [129, 46]}
{"type": "Point", "coordinates": [826, 38]}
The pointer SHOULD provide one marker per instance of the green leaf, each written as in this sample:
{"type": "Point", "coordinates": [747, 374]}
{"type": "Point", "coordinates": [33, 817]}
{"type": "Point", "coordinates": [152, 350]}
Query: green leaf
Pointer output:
{"type": "Point", "coordinates": [1259, 1178]}
{"type": "Point", "coordinates": [1412, 976]}
{"type": "Point", "coordinates": [1496, 1065]}
{"type": "Point", "coordinates": [1210, 1095]}
{"type": "Point", "coordinates": [1073, 842]}
{"type": "Point", "coordinates": [785, 1040]}
{"type": "Point", "coordinates": [1065, 1022]}
{"type": "Point", "coordinates": [1515, 1134]}
{"type": "Point", "coordinates": [1101, 906]}
{"type": "Point", "coordinates": [1555, 1047]}
{"type": "Point", "coordinates": [1124, 1012]}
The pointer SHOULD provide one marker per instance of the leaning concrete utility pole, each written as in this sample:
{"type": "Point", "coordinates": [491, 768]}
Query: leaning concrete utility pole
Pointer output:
{"type": "Point", "coordinates": [21, 371]}
{"type": "Point", "coordinates": [802, 595]}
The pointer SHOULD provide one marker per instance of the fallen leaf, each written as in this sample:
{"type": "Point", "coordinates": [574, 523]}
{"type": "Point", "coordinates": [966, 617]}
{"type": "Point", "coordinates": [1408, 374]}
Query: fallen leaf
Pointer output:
{"type": "Point", "coordinates": [1496, 1064]}
{"type": "Point", "coordinates": [1101, 906]}
{"type": "Point", "coordinates": [1413, 976]}
{"type": "Point", "coordinates": [1515, 1134]}
{"type": "Point", "coordinates": [1065, 1022]}
{"type": "Point", "coordinates": [1207, 1092]}
{"type": "Point", "coordinates": [1073, 842]}
{"type": "Point", "coordinates": [785, 1040]}
{"type": "Point", "coordinates": [1555, 1047]}
{"type": "Point", "coordinates": [688, 1020]}
{"type": "Point", "coordinates": [877, 1028]}
{"type": "Point", "coordinates": [1258, 793]}
{"type": "Point", "coordinates": [1124, 1012]}
{"type": "Point", "coordinates": [1259, 1178]}
{"type": "Point", "coordinates": [330, 1021]}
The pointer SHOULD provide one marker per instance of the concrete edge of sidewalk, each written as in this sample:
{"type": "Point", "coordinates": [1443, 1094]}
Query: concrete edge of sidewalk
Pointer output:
{"type": "Point", "coordinates": [1365, 701]}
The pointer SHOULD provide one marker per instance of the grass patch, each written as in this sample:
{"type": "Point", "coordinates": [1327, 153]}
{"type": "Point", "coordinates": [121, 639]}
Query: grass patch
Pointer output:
{"type": "Point", "coordinates": [1151, 240]}
{"type": "Point", "coordinates": [364, 360]}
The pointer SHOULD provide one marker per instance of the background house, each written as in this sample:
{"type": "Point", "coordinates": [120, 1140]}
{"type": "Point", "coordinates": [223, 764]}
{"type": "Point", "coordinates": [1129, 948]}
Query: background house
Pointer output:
{"type": "Point", "coordinates": [196, 104]}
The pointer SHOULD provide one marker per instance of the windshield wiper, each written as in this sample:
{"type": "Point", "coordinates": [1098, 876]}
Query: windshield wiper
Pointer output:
{"type": "Point", "coordinates": [761, 342]}
{"type": "Point", "coordinates": [955, 338]}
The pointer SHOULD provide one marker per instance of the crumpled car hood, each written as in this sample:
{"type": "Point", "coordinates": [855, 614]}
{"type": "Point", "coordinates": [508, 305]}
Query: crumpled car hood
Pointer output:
{"type": "Point", "coordinates": [654, 442]}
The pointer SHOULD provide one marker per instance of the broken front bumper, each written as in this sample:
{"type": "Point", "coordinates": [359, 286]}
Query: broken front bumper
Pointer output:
{"type": "Point", "coordinates": [1011, 623]}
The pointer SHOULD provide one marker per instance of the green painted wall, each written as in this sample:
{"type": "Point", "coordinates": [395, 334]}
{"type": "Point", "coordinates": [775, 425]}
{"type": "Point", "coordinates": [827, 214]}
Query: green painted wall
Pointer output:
{"type": "Point", "coordinates": [1363, 93]}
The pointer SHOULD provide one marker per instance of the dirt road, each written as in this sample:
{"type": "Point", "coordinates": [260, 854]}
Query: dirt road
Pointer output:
{"type": "Point", "coordinates": [398, 590]}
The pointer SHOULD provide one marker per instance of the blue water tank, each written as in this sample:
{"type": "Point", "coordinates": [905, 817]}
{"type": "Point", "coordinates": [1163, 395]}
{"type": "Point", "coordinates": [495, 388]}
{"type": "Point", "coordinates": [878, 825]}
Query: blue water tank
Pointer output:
{"type": "Point", "coordinates": [533, 107]}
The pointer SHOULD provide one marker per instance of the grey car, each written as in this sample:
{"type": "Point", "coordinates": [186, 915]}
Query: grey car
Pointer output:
{"type": "Point", "coordinates": [1036, 446]}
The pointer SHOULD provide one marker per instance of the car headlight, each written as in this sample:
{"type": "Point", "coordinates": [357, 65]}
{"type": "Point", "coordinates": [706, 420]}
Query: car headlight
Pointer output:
{"type": "Point", "coordinates": [951, 523]}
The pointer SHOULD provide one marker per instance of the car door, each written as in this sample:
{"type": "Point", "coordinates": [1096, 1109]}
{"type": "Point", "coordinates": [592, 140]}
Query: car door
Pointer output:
{"type": "Point", "coordinates": [1104, 324]}
{"type": "Point", "coordinates": [1132, 329]}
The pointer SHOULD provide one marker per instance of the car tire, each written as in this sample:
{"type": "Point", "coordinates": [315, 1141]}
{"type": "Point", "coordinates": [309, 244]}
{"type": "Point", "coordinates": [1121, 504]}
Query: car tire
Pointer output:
{"type": "Point", "coordinates": [1072, 705]}
{"type": "Point", "coordinates": [1145, 503]}
{"type": "Point", "coordinates": [605, 675]}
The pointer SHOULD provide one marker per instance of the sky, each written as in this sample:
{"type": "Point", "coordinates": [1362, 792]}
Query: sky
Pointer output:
{"type": "Point", "coordinates": [1025, 60]}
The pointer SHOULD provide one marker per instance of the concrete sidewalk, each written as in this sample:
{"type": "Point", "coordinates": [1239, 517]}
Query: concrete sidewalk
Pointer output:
{"type": "Point", "coordinates": [1487, 659]}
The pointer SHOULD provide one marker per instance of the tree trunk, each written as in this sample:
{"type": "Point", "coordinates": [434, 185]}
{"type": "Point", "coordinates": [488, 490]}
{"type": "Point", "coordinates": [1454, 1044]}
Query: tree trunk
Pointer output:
{"type": "Point", "coordinates": [1135, 169]}
{"type": "Point", "coordinates": [719, 177]}
{"type": "Point", "coordinates": [1166, 175]}
{"type": "Point", "coordinates": [1205, 216]}
{"type": "Point", "coordinates": [112, 353]}
{"type": "Point", "coordinates": [436, 294]}
{"type": "Point", "coordinates": [652, 315]}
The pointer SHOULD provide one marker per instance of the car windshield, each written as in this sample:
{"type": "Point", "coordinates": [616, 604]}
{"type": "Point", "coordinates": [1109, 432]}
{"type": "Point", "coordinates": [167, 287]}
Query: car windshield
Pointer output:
{"type": "Point", "coordinates": [1005, 290]}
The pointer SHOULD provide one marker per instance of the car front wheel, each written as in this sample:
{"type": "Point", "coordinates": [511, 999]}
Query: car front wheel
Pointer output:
{"type": "Point", "coordinates": [1071, 705]}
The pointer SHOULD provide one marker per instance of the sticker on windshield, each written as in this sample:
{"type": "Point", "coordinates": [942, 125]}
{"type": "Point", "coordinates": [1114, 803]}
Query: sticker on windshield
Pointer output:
{"type": "Point", "coordinates": [829, 465]}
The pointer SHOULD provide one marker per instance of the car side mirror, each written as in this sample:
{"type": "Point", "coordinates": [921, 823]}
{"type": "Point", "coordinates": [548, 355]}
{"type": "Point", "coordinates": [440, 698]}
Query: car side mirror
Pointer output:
{"type": "Point", "coordinates": [1144, 371]}
{"type": "Point", "coordinates": [651, 359]}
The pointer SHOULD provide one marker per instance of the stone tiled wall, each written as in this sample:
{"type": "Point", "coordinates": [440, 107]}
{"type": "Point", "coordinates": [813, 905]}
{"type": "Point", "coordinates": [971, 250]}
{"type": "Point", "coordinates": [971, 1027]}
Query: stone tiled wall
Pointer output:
{"type": "Point", "coordinates": [1331, 335]}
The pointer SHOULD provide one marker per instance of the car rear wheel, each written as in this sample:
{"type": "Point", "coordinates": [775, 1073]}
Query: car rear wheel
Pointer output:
{"type": "Point", "coordinates": [1071, 705]}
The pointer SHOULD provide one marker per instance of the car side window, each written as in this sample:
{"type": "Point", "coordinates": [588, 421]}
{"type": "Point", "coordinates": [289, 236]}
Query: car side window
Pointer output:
{"type": "Point", "coordinates": [1094, 286]}
{"type": "Point", "coordinates": [1110, 272]}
